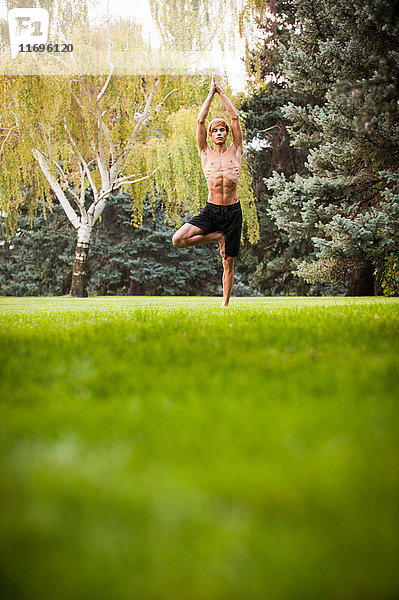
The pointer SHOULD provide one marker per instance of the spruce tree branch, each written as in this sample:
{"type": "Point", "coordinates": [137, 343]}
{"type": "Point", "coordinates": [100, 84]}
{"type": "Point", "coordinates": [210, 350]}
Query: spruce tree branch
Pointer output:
{"type": "Point", "coordinates": [367, 201]}
{"type": "Point", "coordinates": [345, 271]}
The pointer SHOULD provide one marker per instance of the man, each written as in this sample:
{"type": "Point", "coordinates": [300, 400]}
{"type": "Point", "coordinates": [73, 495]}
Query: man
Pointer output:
{"type": "Point", "coordinates": [221, 219]}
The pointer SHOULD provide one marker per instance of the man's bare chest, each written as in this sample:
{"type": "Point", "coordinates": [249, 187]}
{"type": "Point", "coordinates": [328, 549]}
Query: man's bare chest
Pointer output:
{"type": "Point", "coordinates": [225, 166]}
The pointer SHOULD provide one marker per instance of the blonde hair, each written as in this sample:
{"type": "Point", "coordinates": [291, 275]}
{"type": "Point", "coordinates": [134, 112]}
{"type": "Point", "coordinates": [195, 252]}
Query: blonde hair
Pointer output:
{"type": "Point", "coordinates": [217, 121]}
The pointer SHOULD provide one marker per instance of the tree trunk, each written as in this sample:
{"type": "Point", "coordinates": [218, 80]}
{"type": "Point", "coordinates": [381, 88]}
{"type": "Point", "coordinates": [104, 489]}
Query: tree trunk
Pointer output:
{"type": "Point", "coordinates": [136, 288]}
{"type": "Point", "coordinates": [80, 264]}
{"type": "Point", "coordinates": [361, 280]}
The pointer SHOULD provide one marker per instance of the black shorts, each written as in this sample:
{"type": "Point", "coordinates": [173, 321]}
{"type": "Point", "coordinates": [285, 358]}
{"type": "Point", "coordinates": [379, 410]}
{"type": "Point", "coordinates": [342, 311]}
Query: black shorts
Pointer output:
{"type": "Point", "coordinates": [226, 218]}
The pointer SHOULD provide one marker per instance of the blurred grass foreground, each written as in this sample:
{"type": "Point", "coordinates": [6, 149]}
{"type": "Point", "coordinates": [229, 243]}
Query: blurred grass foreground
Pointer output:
{"type": "Point", "coordinates": [164, 448]}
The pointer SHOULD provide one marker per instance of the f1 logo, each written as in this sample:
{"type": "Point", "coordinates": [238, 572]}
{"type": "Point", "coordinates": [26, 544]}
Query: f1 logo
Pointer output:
{"type": "Point", "coordinates": [27, 25]}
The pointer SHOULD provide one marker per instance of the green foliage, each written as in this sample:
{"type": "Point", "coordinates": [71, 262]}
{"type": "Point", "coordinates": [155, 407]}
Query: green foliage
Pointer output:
{"type": "Point", "coordinates": [346, 61]}
{"type": "Point", "coordinates": [58, 116]}
{"type": "Point", "coordinates": [390, 282]}
{"type": "Point", "coordinates": [36, 260]}
{"type": "Point", "coordinates": [268, 266]}
{"type": "Point", "coordinates": [189, 25]}
{"type": "Point", "coordinates": [143, 261]}
{"type": "Point", "coordinates": [124, 259]}
{"type": "Point", "coordinates": [165, 448]}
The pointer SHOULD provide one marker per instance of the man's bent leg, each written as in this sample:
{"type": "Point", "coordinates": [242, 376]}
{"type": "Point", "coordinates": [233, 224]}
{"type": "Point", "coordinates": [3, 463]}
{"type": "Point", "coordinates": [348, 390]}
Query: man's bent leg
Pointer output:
{"type": "Point", "coordinates": [228, 279]}
{"type": "Point", "coordinates": [190, 235]}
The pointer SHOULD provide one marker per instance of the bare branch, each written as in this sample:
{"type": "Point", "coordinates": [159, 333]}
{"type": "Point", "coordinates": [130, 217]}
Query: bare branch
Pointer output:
{"type": "Point", "coordinates": [142, 87]}
{"type": "Point", "coordinates": [167, 96]}
{"type": "Point", "coordinates": [104, 89]}
{"type": "Point", "coordinates": [70, 213]}
{"type": "Point", "coordinates": [45, 138]}
{"type": "Point", "coordinates": [99, 206]}
{"type": "Point", "coordinates": [79, 201]}
{"type": "Point", "coordinates": [64, 177]}
{"type": "Point", "coordinates": [110, 142]}
{"type": "Point", "coordinates": [82, 194]}
{"type": "Point", "coordinates": [55, 57]}
{"type": "Point", "coordinates": [85, 165]}
{"type": "Point", "coordinates": [146, 114]}
{"type": "Point", "coordinates": [81, 105]}
{"type": "Point", "coordinates": [112, 107]}
{"type": "Point", "coordinates": [7, 136]}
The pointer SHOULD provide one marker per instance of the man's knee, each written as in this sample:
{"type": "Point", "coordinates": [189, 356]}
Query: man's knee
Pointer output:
{"type": "Point", "coordinates": [228, 263]}
{"type": "Point", "coordinates": [177, 240]}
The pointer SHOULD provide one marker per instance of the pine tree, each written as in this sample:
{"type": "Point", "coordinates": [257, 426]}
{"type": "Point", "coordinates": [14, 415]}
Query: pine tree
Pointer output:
{"type": "Point", "coordinates": [345, 57]}
{"type": "Point", "coordinates": [268, 266]}
{"type": "Point", "coordinates": [125, 259]}
{"type": "Point", "coordinates": [143, 261]}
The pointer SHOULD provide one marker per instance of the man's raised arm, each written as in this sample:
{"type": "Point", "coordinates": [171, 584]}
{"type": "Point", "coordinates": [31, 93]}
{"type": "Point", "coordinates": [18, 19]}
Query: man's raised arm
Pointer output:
{"type": "Point", "coordinates": [203, 113]}
{"type": "Point", "coordinates": [235, 121]}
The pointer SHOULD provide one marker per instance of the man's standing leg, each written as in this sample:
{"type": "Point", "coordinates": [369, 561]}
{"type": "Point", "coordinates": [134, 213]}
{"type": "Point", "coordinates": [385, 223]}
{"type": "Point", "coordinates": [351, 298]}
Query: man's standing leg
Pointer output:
{"type": "Point", "coordinates": [228, 279]}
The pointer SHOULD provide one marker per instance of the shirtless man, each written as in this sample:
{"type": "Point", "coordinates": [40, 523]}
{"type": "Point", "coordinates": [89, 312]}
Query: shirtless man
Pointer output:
{"type": "Point", "coordinates": [221, 219]}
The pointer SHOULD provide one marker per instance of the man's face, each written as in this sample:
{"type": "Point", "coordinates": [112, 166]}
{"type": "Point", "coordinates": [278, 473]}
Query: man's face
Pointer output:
{"type": "Point", "coordinates": [219, 134]}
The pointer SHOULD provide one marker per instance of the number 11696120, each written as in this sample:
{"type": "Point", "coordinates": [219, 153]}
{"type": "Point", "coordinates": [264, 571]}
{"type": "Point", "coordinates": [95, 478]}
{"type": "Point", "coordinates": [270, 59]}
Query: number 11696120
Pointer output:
{"type": "Point", "coordinates": [46, 47]}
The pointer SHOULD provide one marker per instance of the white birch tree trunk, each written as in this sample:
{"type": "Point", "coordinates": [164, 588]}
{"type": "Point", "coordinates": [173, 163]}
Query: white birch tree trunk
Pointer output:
{"type": "Point", "coordinates": [81, 263]}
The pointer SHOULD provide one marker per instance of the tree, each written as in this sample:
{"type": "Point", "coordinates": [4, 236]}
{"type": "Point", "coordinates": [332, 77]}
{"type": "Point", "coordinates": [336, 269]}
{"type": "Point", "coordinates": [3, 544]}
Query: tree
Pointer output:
{"type": "Point", "coordinates": [196, 25]}
{"type": "Point", "coordinates": [345, 58]}
{"type": "Point", "coordinates": [63, 135]}
{"type": "Point", "coordinates": [77, 132]}
{"type": "Point", "coordinates": [35, 260]}
{"type": "Point", "coordinates": [268, 266]}
{"type": "Point", "coordinates": [123, 259]}
{"type": "Point", "coordinates": [75, 135]}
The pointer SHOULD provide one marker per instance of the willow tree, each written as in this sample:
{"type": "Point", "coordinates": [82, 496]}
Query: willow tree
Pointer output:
{"type": "Point", "coordinates": [79, 139]}
{"type": "Point", "coordinates": [65, 136]}
{"type": "Point", "coordinates": [194, 24]}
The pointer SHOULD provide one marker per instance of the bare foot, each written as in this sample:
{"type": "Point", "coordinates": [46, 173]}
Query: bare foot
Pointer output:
{"type": "Point", "coordinates": [222, 243]}
{"type": "Point", "coordinates": [224, 304]}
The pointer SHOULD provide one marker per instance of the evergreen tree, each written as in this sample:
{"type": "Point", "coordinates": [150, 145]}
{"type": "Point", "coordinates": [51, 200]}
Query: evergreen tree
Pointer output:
{"type": "Point", "coordinates": [143, 261]}
{"type": "Point", "coordinates": [268, 266]}
{"type": "Point", "coordinates": [345, 57]}
{"type": "Point", "coordinates": [36, 259]}
{"type": "Point", "coordinates": [124, 259]}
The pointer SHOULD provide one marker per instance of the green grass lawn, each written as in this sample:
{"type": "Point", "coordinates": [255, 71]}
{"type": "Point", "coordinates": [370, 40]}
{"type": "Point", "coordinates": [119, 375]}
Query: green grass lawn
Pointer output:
{"type": "Point", "coordinates": [164, 448]}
